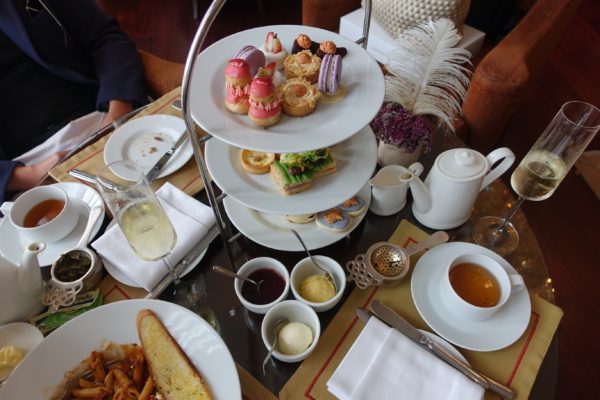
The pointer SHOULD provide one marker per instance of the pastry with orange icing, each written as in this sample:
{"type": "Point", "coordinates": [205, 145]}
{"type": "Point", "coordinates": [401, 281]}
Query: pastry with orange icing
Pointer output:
{"type": "Point", "coordinates": [298, 97]}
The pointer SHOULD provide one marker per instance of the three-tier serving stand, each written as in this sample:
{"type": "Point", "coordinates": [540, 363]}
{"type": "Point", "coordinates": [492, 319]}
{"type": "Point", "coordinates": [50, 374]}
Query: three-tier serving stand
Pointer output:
{"type": "Point", "coordinates": [224, 224]}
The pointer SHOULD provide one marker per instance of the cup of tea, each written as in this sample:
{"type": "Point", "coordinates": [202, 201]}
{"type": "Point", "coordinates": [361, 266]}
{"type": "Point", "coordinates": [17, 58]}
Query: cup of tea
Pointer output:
{"type": "Point", "coordinates": [476, 286]}
{"type": "Point", "coordinates": [42, 214]}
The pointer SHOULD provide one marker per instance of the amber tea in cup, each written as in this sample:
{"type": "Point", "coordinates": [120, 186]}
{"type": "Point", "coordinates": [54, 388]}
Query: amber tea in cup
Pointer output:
{"type": "Point", "coordinates": [475, 284]}
{"type": "Point", "coordinates": [43, 212]}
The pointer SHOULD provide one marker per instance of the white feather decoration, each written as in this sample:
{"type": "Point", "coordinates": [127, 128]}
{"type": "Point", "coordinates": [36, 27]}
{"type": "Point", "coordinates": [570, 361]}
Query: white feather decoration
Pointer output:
{"type": "Point", "coordinates": [428, 75]}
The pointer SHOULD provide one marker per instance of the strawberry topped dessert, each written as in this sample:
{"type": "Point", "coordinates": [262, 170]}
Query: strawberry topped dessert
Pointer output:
{"type": "Point", "coordinates": [265, 109]}
{"type": "Point", "coordinates": [237, 86]}
{"type": "Point", "coordinates": [274, 50]}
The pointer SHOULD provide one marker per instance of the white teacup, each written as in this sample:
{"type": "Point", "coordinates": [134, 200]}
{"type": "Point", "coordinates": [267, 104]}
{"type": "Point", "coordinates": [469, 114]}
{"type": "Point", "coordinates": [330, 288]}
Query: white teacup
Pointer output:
{"type": "Point", "coordinates": [475, 286]}
{"type": "Point", "coordinates": [51, 231]}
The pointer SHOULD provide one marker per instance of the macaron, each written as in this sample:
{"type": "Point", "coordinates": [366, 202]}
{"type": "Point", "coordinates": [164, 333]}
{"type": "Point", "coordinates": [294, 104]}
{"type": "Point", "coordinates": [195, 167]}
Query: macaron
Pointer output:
{"type": "Point", "coordinates": [253, 56]}
{"type": "Point", "coordinates": [330, 74]}
{"type": "Point", "coordinates": [354, 206]}
{"type": "Point", "coordinates": [334, 220]}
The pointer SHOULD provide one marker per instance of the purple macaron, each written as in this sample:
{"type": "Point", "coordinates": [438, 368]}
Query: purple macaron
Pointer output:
{"type": "Point", "coordinates": [253, 56]}
{"type": "Point", "coordinates": [330, 74]}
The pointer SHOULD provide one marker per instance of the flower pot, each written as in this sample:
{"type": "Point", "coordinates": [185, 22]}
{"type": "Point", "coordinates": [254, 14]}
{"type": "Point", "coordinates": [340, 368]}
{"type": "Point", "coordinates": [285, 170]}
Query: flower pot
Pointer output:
{"type": "Point", "coordinates": [388, 154]}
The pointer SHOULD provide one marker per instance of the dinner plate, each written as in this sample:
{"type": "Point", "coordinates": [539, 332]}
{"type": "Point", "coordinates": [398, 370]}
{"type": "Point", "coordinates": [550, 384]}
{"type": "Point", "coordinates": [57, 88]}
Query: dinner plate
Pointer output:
{"type": "Point", "coordinates": [124, 279]}
{"type": "Point", "coordinates": [501, 330]}
{"type": "Point", "coordinates": [329, 124]}
{"type": "Point", "coordinates": [19, 334]}
{"type": "Point", "coordinates": [273, 230]}
{"type": "Point", "coordinates": [85, 198]}
{"type": "Point", "coordinates": [144, 141]}
{"type": "Point", "coordinates": [42, 370]}
{"type": "Point", "coordinates": [355, 158]}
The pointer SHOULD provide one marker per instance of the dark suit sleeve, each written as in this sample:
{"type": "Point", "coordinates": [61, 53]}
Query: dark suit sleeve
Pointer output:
{"type": "Point", "coordinates": [6, 169]}
{"type": "Point", "coordinates": [99, 41]}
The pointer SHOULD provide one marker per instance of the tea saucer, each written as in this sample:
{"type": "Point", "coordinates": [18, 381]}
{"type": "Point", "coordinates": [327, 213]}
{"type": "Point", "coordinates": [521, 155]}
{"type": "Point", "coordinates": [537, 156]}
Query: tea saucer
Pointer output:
{"type": "Point", "coordinates": [84, 197]}
{"type": "Point", "coordinates": [501, 330]}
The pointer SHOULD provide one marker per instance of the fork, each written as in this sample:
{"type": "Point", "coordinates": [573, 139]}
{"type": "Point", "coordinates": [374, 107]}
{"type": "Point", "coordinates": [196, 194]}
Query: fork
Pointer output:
{"type": "Point", "coordinates": [88, 374]}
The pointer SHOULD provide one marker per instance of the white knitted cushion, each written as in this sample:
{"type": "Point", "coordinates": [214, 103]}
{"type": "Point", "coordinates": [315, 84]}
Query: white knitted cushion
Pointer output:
{"type": "Point", "coordinates": [395, 16]}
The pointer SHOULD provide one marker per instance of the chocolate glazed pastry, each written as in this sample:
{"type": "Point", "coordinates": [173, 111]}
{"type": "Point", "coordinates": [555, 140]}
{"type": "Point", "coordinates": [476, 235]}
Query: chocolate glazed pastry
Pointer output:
{"type": "Point", "coordinates": [328, 47]}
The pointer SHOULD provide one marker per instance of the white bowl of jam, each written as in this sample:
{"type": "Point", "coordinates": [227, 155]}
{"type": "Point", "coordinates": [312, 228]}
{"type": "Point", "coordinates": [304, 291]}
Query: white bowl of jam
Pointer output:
{"type": "Point", "coordinates": [273, 279]}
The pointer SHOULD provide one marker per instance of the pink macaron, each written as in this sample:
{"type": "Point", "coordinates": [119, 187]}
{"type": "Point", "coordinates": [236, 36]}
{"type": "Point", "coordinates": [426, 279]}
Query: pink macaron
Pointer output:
{"type": "Point", "coordinates": [253, 56]}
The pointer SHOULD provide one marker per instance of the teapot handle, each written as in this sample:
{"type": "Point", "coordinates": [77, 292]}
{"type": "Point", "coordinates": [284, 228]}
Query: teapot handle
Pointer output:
{"type": "Point", "coordinates": [493, 157]}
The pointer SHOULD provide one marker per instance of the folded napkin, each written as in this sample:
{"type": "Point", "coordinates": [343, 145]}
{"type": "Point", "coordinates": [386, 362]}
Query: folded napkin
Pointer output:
{"type": "Point", "coordinates": [191, 220]}
{"type": "Point", "coordinates": [384, 364]}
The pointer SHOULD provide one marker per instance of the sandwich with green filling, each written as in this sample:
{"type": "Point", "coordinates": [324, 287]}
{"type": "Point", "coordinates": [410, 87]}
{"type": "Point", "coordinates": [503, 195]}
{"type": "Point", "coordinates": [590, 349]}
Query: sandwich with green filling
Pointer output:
{"type": "Point", "coordinates": [294, 172]}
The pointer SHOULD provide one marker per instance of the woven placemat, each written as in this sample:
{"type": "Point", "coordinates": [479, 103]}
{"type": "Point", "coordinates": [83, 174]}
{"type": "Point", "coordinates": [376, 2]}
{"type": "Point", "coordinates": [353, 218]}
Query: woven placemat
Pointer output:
{"type": "Point", "coordinates": [516, 366]}
{"type": "Point", "coordinates": [91, 158]}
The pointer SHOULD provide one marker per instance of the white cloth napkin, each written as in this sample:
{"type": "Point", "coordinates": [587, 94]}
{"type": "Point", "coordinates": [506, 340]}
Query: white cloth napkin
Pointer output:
{"type": "Point", "coordinates": [191, 220]}
{"type": "Point", "coordinates": [384, 364]}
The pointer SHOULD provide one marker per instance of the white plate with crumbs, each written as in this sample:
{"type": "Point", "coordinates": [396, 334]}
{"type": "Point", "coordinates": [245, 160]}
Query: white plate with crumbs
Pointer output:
{"type": "Point", "coordinates": [144, 140]}
{"type": "Point", "coordinates": [42, 371]}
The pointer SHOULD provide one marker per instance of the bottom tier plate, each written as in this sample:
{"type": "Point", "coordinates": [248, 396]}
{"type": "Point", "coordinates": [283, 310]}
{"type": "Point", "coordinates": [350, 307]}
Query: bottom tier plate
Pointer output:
{"type": "Point", "coordinates": [273, 230]}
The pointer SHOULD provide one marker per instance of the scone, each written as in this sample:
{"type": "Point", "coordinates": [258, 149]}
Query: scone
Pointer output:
{"type": "Point", "coordinates": [300, 218]}
{"type": "Point", "coordinates": [237, 85]}
{"type": "Point", "coordinates": [298, 97]}
{"type": "Point", "coordinates": [302, 65]}
{"type": "Point", "coordinates": [264, 109]}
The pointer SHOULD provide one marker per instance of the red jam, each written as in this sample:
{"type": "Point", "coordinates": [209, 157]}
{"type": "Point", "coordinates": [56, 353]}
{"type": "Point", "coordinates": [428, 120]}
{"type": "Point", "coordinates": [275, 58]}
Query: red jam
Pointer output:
{"type": "Point", "coordinates": [271, 287]}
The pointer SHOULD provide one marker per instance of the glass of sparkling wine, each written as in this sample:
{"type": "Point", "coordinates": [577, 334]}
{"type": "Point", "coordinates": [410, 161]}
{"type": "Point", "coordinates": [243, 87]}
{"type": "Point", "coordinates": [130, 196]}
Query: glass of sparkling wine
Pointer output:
{"type": "Point", "coordinates": [138, 212]}
{"type": "Point", "coordinates": [541, 170]}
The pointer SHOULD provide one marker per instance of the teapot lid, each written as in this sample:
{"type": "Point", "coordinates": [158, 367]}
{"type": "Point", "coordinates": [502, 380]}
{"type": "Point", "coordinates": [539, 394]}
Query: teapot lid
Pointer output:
{"type": "Point", "coordinates": [462, 163]}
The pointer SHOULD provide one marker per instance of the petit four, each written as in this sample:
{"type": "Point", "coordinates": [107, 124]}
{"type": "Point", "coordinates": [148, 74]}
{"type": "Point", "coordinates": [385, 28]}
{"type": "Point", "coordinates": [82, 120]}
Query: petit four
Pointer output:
{"type": "Point", "coordinates": [298, 97]}
{"type": "Point", "coordinates": [326, 47]}
{"type": "Point", "coordinates": [334, 220]}
{"type": "Point", "coordinates": [294, 172]}
{"type": "Point", "coordinates": [303, 42]}
{"type": "Point", "coordinates": [329, 79]}
{"type": "Point", "coordinates": [237, 85]}
{"type": "Point", "coordinates": [256, 162]}
{"type": "Point", "coordinates": [300, 218]}
{"type": "Point", "coordinates": [302, 64]}
{"type": "Point", "coordinates": [264, 109]}
{"type": "Point", "coordinates": [274, 50]}
{"type": "Point", "coordinates": [253, 56]}
{"type": "Point", "coordinates": [354, 206]}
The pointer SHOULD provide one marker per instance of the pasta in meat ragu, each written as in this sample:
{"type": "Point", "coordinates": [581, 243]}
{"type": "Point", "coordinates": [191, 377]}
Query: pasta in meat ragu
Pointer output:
{"type": "Point", "coordinates": [127, 379]}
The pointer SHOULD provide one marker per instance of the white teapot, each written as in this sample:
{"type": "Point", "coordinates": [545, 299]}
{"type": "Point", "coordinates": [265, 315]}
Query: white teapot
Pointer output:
{"type": "Point", "coordinates": [21, 286]}
{"type": "Point", "coordinates": [446, 198]}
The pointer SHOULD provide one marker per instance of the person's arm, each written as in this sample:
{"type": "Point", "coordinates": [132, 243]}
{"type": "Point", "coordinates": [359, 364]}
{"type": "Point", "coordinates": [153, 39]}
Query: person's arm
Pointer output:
{"type": "Point", "coordinates": [23, 177]}
{"type": "Point", "coordinates": [116, 109]}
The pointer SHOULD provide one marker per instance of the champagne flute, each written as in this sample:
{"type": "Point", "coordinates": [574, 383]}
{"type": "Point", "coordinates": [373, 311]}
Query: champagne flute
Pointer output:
{"type": "Point", "coordinates": [140, 216]}
{"type": "Point", "coordinates": [541, 170]}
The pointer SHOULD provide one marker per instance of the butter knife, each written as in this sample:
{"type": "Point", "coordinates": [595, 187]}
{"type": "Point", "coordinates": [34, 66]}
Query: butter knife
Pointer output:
{"type": "Point", "coordinates": [154, 171]}
{"type": "Point", "coordinates": [389, 317]}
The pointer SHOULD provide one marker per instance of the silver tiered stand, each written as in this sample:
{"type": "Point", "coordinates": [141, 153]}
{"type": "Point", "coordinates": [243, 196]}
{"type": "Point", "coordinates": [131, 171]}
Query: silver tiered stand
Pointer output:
{"type": "Point", "coordinates": [207, 21]}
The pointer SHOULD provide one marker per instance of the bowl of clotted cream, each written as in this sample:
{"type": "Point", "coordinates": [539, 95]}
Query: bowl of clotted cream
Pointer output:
{"type": "Point", "coordinates": [310, 285]}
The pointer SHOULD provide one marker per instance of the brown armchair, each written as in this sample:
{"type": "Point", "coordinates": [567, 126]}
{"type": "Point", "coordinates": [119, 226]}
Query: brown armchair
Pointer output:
{"type": "Point", "coordinates": [502, 74]}
{"type": "Point", "coordinates": [161, 75]}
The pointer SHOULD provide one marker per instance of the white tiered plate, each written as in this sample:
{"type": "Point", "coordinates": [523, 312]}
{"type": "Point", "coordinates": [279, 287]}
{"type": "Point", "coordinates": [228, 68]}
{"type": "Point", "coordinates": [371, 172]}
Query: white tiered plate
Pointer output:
{"type": "Point", "coordinates": [273, 230]}
{"type": "Point", "coordinates": [356, 159]}
{"type": "Point", "coordinates": [328, 125]}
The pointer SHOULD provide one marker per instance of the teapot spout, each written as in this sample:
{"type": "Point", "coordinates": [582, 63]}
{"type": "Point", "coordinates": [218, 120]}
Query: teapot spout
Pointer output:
{"type": "Point", "coordinates": [421, 195]}
{"type": "Point", "coordinates": [29, 276]}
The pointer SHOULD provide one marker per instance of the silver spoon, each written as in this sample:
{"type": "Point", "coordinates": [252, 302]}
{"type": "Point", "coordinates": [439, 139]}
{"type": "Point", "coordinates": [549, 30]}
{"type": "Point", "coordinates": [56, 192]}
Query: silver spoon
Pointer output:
{"type": "Point", "coordinates": [327, 273]}
{"type": "Point", "coordinates": [226, 272]}
{"type": "Point", "coordinates": [278, 325]}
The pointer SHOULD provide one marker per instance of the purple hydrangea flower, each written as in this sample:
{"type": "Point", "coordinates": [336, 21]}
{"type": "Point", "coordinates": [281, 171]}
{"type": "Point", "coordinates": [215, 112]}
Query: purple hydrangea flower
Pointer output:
{"type": "Point", "coordinates": [396, 126]}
